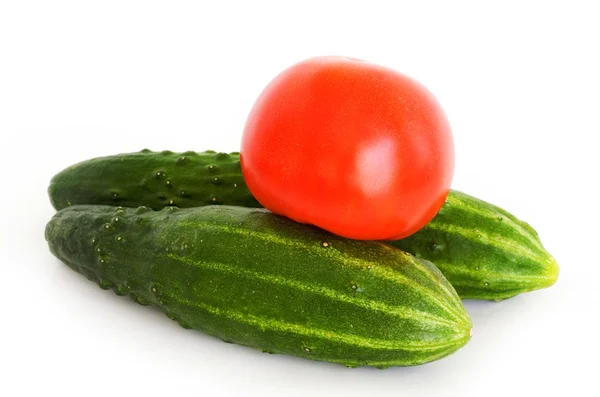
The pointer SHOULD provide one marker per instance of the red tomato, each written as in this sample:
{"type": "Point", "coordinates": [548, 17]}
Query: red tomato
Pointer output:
{"type": "Point", "coordinates": [354, 148]}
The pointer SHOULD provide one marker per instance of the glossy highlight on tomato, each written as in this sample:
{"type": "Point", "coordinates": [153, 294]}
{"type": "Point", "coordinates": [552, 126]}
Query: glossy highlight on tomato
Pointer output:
{"type": "Point", "coordinates": [354, 148]}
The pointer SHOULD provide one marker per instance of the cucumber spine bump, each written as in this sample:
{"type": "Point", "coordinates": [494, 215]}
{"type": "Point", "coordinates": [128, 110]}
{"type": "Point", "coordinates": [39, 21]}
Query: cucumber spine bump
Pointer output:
{"type": "Point", "coordinates": [257, 279]}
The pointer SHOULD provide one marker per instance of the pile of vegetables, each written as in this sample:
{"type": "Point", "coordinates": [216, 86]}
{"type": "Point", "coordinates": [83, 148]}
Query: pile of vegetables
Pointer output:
{"type": "Point", "coordinates": [334, 235]}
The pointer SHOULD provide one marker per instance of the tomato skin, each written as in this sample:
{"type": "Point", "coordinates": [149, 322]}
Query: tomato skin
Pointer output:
{"type": "Point", "coordinates": [354, 148]}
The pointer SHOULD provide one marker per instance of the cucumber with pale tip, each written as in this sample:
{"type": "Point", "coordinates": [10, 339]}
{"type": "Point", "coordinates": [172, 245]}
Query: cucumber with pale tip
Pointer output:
{"type": "Point", "coordinates": [483, 250]}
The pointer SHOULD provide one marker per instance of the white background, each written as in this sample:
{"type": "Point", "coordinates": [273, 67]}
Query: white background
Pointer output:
{"type": "Point", "coordinates": [519, 82]}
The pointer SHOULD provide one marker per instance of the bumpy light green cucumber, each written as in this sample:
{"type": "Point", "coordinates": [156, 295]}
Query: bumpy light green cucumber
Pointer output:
{"type": "Point", "coordinates": [257, 279]}
{"type": "Point", "coordinates": [153, 179]}
{"type": "Point", "coordinates": [484, 251]}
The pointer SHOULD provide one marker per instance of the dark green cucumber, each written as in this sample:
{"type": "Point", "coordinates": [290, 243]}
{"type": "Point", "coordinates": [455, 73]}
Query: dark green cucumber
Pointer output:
{"type": "Point", "coordinates": [253, 278]}
{"type": "Point", "coordinates": [153, 179]}
{"type": "Point", "coordinates": [483, 250]}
